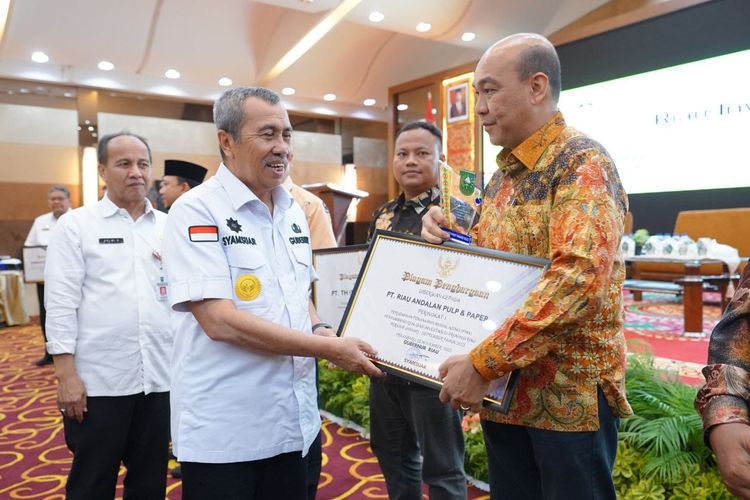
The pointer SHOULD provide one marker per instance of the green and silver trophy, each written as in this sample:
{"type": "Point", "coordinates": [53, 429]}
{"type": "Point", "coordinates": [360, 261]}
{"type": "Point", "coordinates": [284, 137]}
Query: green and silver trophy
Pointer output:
{"type": "Point", "coordinates": [460, 201]}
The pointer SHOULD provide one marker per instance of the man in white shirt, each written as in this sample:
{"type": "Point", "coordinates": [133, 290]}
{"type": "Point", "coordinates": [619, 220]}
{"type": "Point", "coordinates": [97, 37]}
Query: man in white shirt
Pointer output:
{"type": "Point", "coordinates": [238, 258]}
{"type": "Point", "coordinates": [109, 333]}
{"type": "Point", "coordinates": [58, 199]}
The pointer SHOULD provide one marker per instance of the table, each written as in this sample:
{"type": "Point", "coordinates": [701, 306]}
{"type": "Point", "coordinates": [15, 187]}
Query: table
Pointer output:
{"type": "Point", "coordinates": [691, 277]}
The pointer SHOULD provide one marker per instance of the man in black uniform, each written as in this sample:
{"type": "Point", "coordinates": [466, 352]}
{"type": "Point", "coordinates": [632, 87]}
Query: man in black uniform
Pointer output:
{"type": "Point", "coordinates": [408, 419]}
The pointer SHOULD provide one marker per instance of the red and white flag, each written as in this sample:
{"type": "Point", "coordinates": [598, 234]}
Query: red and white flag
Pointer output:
{"type": "Point", "coordinates": [203, 233]}
{"type": "Point", "coordinates": [429, 116]}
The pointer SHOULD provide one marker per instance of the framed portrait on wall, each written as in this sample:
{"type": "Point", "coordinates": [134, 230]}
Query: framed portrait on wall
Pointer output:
{"type": "Point", "coordinates": [457, 102]}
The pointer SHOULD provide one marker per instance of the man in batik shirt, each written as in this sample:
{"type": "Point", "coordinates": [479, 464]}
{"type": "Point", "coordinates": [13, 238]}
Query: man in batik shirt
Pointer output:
{"type": "Point", "coordinates": [723, 400]}
{"type": "Point", "coordinates": [407, 419]}
{"type": "Point", "coordinates": [557, 195]}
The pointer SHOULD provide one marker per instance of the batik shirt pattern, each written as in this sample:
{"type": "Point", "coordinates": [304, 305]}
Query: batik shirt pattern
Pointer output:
{"type": "Point", "coordinates": [724, 397]}
{"type": "Point", "coordinates": [402, 215]}
{"type": "Point", "coordinates": [558, 196]}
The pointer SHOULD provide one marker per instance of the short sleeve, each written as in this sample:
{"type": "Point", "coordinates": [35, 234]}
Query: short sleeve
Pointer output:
{"type": "Point", "coordinates": [194, 259]}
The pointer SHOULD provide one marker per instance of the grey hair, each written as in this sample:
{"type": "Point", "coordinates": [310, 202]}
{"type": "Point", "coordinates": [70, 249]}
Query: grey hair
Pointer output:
{"type": "Point", "coordinates": [59, 187]}
{"type": "Point", "coordinates": [101, 148]}
{"type": "Point", "coordinates": [541, 58]}
{"type": "Point", "coordinates": [229, 112]}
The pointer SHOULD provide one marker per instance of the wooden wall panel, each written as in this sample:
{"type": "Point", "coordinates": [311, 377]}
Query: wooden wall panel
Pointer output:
{"type": "Point", "coordinates": [39, 163]}
{"type": "Point", "coordinates": [22, 203]}
{"type": "Point", "coordinates": [312, 173]}
{"type": "Point", "coordinates": [27, 200]}
{"type": "Point", "coordinates": [374, 180]}
{"type": "Point", "coordinates": [370, 156]}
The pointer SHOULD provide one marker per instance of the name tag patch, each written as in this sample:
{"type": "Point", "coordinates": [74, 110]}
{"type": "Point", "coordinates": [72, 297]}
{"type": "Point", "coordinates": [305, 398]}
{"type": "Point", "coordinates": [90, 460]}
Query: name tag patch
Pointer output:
{"type": "Point", "coordinates": [237, 240]}
{"type": "Point", "coordinates": [111, 241]}
{"type": "Point", "coordinates": [203, 233]}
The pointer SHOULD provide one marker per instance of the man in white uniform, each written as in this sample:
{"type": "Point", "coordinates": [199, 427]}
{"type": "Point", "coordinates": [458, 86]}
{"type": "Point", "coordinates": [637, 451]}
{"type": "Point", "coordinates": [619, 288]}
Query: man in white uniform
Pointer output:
{"type": "Point", "coordinates": [58, 199]}
{"type": "Point", "coordinates": [237, 251]}
{"type": "Point", "coordinates": [109, 333]}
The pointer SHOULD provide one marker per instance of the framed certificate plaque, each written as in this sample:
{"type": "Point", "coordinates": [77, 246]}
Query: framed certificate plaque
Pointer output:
{"type": "Point", "coordinates": [417, 304]}
{"type": "Point", "coordinates": [33, 263]}
{"type": "Point", "coordinates": [337, 270]}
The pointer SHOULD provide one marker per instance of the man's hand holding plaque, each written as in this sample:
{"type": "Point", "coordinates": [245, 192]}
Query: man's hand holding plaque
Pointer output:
{"type": "Point", "coordinates": [463, 387]}
{"type": "Point", "coordinates": [423, 307]}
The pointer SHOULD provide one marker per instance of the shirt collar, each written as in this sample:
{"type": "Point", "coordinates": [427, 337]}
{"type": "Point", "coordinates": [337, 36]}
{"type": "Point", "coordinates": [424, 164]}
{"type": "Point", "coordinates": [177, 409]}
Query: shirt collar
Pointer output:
{"type": "Point", "coordinates": [421, 202]}
{"type": "Point", "coordinates": [107, 207]}
{"type": "Point", "coordinates": [529, 151]}
{"type": "Point", "coordinates": [239, 194]}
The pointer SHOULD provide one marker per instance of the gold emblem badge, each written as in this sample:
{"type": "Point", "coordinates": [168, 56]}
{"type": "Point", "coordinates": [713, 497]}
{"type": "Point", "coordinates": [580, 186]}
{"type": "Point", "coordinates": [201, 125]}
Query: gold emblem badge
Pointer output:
{"type": "Point", "coordinates": [446, 266]}
{"type": "Point", "coordinates": [247, 287]}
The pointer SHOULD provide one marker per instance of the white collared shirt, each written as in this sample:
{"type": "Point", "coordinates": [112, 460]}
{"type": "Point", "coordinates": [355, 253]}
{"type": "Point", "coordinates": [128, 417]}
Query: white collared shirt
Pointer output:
{"type": "Point", "coordinates": [103, 303]}
{"type": "Point", "coordinates": [40, 230]}
{"type": "Point", "coordinates": [231, 404]}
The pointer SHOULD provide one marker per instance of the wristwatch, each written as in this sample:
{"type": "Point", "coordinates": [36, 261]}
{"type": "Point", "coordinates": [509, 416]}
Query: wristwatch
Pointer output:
{"type": "Point", "coordinates": [319, 325]}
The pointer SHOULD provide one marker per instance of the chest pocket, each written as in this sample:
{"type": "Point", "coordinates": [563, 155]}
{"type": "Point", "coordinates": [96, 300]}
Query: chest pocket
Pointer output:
{"type": "Point", "coordinates": [252, 280]}
{"type": "Point", "coordinates": [302, 263]}
{"type": "Point", "coordinates": [105, 254]}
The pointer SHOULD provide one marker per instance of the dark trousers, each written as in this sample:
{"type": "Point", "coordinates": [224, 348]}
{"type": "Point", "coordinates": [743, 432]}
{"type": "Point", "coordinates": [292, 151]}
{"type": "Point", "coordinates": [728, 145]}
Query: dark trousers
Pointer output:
{"type": "Point", "coordinates": [133, 430]}
{"type": "Point", "coordinates": [313, 465]}
{"type": "Point", "coordinates": [416, 438]}
{"type": "Point", "coordinates": [277, 478]}
{"type": "Point", "coordinates": [42, 313]}
{"type": "Point", "coordinates": [314, 457]}
{"type": "Point", "coordinates": [526, 463]}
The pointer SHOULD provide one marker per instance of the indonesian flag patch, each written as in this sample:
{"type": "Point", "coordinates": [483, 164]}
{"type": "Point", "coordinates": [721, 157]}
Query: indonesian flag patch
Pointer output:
{"type": "Point", "coordinates": [203, 233]}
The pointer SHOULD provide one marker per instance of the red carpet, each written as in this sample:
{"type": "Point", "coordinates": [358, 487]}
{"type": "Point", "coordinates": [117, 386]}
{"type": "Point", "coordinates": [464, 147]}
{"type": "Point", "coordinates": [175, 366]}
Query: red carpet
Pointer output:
{"type": "Point", "coordinates": [34, 461]}
{"type": "Point", "coordinates": [656, 324]}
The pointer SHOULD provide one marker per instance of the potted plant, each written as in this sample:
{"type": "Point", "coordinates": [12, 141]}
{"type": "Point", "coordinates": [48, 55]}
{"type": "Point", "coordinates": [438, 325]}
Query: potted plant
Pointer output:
{"type": "Point", "coordinates": [640, 237]}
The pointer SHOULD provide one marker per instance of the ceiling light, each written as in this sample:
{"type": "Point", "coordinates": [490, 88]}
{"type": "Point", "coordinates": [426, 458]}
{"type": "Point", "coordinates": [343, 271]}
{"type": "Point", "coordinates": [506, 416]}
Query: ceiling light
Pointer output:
{"type": "Point", "coordinates": [424, 27]}
{"type": "Point", "coordinates": [91, 128]}
{"type": "Point", "coordinates": [39, 57]}
{"type": "Point", "coordinates": [24, 91]}
{"type": "Point", "coordinates": [105, 66]}
{"type": "Point", "coordinates": [369, 101]}
{"type": "Point", "coordinates": [402, 107]}
{"type": "Point", "coordinates": [468, 36]}
{"type": "Point", "coordinates": [434, 111]}
{"type": "Point", "coordinates": [376, 16]}
{"type": "Point", "coordinates": [68, 94]}
{"type": "Point", "coordinates": [312, 37]}
{"type": "Point", "coordinates": [87, 122]}
{"type": "Point", "coordinates": [225, 81]}
{"type": "Point", "coordinates": [288, 91]}
{"type": "Point", "coordinates": [329, 97]}
{"type": "Point", "coordinates": [172, 73]}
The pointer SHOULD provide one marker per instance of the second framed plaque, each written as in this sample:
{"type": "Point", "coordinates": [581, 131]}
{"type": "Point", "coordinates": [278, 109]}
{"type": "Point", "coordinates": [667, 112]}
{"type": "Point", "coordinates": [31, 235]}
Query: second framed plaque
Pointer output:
{"type": "Point", "coordinates": [417, 304]}
{"type": "Point", "coordinates": [337, 269]}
